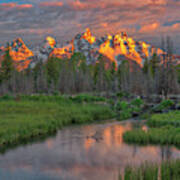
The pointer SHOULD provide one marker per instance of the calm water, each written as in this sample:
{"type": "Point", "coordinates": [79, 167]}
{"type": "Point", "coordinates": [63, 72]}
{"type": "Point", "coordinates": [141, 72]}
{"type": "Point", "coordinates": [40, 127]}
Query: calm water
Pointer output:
{"type": "Point", "coordinates": [89, 152]}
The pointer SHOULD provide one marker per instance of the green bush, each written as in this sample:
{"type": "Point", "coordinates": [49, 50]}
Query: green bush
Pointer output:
{"type": "Point", "coordinates": [125, 112]}
{"type": "Point", "coordinates": [164, 105]}
{"type": "Point", "coordinates": [126, 109]}
{"type": "Point", "coordinates": [136, 105]}
{"type": "Point", "coordinates": [137, 102]}
{"type": "Point", "coordinates": [122, 105]}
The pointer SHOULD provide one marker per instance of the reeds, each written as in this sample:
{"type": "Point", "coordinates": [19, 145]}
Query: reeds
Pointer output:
{"type": "Point", "coordinates": [159, 120]}
{"type": "Point", "coordinates": [163, 136]}
{"type": "Point", "coordinates": [168, 131]}
{"type": "Point", "coordinates": [166, 171]}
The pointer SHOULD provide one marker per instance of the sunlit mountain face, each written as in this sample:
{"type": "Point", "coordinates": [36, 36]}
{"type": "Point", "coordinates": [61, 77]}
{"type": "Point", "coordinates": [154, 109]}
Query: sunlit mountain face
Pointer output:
{"type": "Point", "coordinates": [34, 20]}
{"type": "Point", "coordinates": [113, 49]}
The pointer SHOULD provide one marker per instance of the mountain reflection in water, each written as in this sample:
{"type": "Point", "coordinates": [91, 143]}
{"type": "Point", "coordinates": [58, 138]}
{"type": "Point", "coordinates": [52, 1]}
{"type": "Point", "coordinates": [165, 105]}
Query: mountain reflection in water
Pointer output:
{"type": "Point", "coordinates": [88, 152]}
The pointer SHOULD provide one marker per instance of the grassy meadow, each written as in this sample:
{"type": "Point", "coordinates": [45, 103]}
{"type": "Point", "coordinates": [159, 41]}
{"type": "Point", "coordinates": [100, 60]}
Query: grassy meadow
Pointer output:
{"type": "Point", "coordinates": [26, 117]}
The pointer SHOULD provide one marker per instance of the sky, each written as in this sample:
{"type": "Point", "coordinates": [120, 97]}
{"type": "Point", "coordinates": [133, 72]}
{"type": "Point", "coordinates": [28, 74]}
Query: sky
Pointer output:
{"type": "Point", "coordinates": [33, 20]}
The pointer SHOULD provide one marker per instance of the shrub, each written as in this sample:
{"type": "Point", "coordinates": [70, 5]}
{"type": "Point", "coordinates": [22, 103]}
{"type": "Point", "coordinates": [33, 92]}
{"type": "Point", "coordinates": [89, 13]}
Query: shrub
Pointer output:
{"type": "Point", "coordinates": [127, 110]}
{"type": "Point", "coordinates": [137, 102]}
{"type": "Point", "coordinates": [6, 97]}
{"type": "Point", "coordinates": [136, 105]}
{"type": "Point", "coordinates": [164, 105]}
{"type": "Point", "coordinates": [122, 105]}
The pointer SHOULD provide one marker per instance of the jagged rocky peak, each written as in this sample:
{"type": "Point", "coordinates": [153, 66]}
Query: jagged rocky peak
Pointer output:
{"type": "Point", "coordinates": [114, 48]}
{"type": "Point", "coordinates": [17, 43]}
{"type": "Point", "coordinates": [19, 51]}
{"type": "Point", "coordinates": [42, 53]}
{"type": "Point", "coordinates": [48, 45]}
{"type": "Point", "coordinates": [51, 42]}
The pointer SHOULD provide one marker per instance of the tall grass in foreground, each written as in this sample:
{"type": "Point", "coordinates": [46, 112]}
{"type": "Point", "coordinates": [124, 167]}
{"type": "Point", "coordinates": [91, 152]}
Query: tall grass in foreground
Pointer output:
{"type": "Point", "coordinates": [34, 116]}
{"type": "Point", "coordinates": [165, 171]}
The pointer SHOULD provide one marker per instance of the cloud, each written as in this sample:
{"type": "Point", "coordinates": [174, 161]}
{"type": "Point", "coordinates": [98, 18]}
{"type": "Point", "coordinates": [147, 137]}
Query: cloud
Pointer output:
{"type": "Point", "coordinates": [102, 4]}
{"type": "Point", "coordinates": [7, 6]}
{"type": "Point", "coordinates": [51, 4]}
{"type": "Point", "coordinates": [176, 26]}
{"type": "Point", "coordinates": [149, 27]}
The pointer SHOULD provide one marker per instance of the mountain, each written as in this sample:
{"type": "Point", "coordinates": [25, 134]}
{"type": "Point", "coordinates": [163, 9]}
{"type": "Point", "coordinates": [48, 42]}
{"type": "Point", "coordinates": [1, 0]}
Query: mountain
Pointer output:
{"type": "Point", "coordinates": [20, 54]}
{"type": "Point", "coordinates": [114, 48]}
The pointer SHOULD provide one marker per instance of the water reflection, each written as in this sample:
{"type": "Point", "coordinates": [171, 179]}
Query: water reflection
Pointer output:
{"type": "Point", "coordinates": [87, 152]}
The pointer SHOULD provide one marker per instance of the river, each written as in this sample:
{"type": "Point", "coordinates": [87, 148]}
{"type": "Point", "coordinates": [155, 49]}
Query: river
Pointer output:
{"type": "Point", "coordinates": [86, 152]}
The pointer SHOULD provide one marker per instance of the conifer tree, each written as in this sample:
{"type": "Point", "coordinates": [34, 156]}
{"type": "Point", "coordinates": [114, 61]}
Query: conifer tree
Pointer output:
{"type": "Point", "coordinates": [6, 66]}
{"type": "Point", "coordinates": [52, 70]}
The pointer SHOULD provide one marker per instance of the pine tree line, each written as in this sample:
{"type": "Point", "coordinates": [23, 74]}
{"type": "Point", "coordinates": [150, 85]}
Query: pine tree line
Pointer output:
{"type": "Point", "coordinates": [159, 76]}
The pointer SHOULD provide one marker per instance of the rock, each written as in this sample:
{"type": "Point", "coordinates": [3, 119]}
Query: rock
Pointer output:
{"type": "Point", "coordinates": [114, 48]}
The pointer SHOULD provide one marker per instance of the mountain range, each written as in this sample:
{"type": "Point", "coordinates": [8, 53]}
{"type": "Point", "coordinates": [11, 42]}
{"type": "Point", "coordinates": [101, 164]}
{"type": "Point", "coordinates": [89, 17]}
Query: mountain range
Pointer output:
{"type": "Point", "coordinates": [114, 47]}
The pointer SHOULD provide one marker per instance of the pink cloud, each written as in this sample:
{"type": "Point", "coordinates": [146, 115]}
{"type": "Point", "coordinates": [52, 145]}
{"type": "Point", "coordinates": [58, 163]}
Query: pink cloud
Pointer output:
{"type": "Point", "coordinates": [176, 26]}
{"type": "Point", "coordinates": [90, 4]}
{"type": "Point", "coordinates": [24, 6]}
{"type": "Point", "coordinates": [54, 4]}
{"type": "Point", "coordinates": [149, 27]}
{"type": "Point", "coordinates": [15, 5]}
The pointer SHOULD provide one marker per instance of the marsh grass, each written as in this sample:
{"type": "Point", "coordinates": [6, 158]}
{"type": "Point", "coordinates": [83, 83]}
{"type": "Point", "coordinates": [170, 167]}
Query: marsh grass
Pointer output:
{"type": "Point", "coordinates": [159, 120]}
{"type": "Point", "coordinates": [34, 116]}
{"type": "Point", "coordinates": [167, 133]}
{"type": "Point", "coordinates": [166, 171]}
{"type": "Point", "coordinates": [163, 136]}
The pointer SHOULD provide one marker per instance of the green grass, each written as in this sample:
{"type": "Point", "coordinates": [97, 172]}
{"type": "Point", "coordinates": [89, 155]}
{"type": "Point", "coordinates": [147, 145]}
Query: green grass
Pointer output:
{"type": "Point", "coordinates": [87, 98]}
{"type": "Point", "coordinates": [163, 136]}
{"type": "Point", "coordinates": [33, 116]}
{"type": "Point", "coordinates": [165, 171]}
{"type": "Point", "coordinates": [159, 120]}
{"type": "Point", "coordinates": [168, 131]}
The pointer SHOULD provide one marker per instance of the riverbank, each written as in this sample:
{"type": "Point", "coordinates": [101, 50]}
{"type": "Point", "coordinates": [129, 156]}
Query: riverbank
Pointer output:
{"type": "Point", "coordinates": [163, 129]}
{"type": "Point", "coordinates": [27, 117]}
